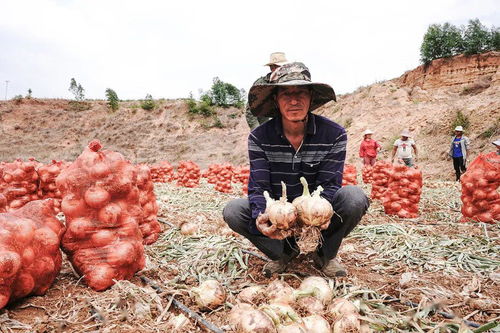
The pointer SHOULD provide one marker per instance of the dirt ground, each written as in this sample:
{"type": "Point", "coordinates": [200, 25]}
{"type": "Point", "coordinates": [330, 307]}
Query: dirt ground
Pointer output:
{"type": "Point", "coordinates": [375, 276]}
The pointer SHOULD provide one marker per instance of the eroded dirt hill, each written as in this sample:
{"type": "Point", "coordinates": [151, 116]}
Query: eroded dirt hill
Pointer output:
{"type": "Point", "coordinates": [425, 100]}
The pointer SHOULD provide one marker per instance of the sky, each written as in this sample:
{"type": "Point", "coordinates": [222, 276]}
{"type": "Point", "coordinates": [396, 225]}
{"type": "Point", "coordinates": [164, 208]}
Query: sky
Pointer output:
{"type": "Point", "coordinates": [171, 48]}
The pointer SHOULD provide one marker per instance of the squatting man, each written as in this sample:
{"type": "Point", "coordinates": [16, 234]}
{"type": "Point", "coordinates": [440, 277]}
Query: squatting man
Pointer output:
{"type": "Point", "coordinates": [296, 143]}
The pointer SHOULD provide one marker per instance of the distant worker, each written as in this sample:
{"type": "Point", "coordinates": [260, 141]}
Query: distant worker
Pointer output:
{"type": "Point", "coordinates": [459, 150]}
{"type": "Point", "coordinates": [404, 148]}
{"type": "Point", "coordinates": [369, 148]}
{"type": "Point", "coordinates": [277, 59]}
{"type": "Point", "coordinates": [497, 144]}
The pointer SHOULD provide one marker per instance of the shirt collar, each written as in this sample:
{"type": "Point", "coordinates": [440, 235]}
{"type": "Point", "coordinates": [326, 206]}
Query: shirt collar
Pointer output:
{"type": "Point", "coordinates": [310, 127]}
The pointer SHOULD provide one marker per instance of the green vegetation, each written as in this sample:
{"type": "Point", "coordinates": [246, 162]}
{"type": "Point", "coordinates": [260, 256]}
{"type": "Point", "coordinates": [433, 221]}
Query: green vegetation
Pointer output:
{"type": "Point", "coordinates": [202, 107]}
{"type": "Point", "coordinates": [491, 131]}
{"type": "Point", "coordinates": [112, 98]}
{"type": "Point", "coordinates": [442, 41]}
{"type": "Point", "coordinates": [460, 120]}
{"type": "Point", "coordinates": [77, 90]}
{"type": "Point", "coordinates": [29, 93]}
{"type": "Point", "coordinates": [148, 103]}
{"type": "Point", "coordinates": [221, 94]}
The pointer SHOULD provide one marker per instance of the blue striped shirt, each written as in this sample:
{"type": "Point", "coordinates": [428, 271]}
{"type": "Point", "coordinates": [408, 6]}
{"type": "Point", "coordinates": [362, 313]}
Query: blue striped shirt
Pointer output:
{"type": "Point", "coordinates": [320, 159]}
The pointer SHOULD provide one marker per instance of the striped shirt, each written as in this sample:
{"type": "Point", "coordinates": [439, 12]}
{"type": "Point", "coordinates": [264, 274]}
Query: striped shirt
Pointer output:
{"type": "Point", "coordinates": [320, 159]}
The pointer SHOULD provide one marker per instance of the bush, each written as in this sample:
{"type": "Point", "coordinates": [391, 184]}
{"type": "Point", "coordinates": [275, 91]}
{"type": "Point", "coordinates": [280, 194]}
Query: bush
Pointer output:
{"type": "Point", "coordinates": [112, 98]}
{"type": "Point", "coordinates": [148, 103]}
{"type": "Point", "coordinates": [476, 38]}
{"type": "Point", "coordinates": [203, 107]}
{"type": "Point", "coordinates": [460, 120]}
{"type": "Point", "coordinates": [491, 131]}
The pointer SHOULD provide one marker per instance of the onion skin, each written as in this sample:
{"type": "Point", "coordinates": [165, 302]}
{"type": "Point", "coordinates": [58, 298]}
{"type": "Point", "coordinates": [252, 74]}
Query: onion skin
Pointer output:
{"type": "Point", "coordinates": [348, 323]}
{"type": "Point", "coordinates": [319, 287]}
{"type": "Point", "coordinates": [316, 324]}
{"type": "Point", "coordinates": [280, 291]}
{"type": "Point", "coordinates": [248, 294]}
{"type": "Point", "coordinates": [255, 321]}
{"type": "Point", "coordinates": [313, 210]}
{"type": "Point", "coordinates": [281, 213]}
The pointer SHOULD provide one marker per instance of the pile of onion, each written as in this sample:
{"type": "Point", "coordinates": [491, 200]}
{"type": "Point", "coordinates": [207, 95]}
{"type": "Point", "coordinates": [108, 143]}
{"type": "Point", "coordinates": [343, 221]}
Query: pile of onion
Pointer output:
{"type": "Point", "coordinates": [403, 194]}
{"type": "Point", "coordinates": [30, 258]}
{"type": "Point", "coordinates": [19, 183]}
{"type": "Point", "coordinates": [313, 214]}
{"type": "Point", "coordinates": [162, 172]}
{"type": "Point", "coordinates": [188, 174]}
{"type": "Point", "coordinates": [480, 189]}
{"type": "Point", "coordinates": [101, 204]}
{"type": "Point", "coordinates": [350, 174]}
{"type": "Point", "coordinates": [367, 174]}
{"type": "Point", "coordinates": [211, 173]}
{"type": "Point", "coordinates": [149, 225]}
{"type": "Point", "coordinates": [282, 216]}
{"type": "Point", "coordinates": [223, 178]}
{"type": "Point", "coordinates": [381, 174]}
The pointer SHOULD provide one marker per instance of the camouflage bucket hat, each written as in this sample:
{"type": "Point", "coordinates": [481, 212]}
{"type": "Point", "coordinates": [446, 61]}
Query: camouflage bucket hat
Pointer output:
{"type": "Point", "coordinates": [261, 96]}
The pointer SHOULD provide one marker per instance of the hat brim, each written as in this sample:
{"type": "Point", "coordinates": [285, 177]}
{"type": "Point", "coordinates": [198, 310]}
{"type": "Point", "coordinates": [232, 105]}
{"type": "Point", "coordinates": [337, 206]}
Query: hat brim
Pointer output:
{"type": "Point", "coordinates": [496, 143]}
{"type": "Point", "coordinates": [279, 63]}
{"type": "Point", "coordinates": [261, 97]}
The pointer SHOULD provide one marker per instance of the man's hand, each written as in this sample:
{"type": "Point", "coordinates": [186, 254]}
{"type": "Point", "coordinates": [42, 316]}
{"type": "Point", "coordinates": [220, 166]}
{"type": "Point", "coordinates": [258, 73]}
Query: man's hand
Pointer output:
{"type": "Point", "coordinates": [269, 229]}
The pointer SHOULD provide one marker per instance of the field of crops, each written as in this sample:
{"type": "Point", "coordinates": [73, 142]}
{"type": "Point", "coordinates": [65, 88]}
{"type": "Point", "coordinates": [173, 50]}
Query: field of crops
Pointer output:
{"type": "Point", "coordinates": [431, 273]}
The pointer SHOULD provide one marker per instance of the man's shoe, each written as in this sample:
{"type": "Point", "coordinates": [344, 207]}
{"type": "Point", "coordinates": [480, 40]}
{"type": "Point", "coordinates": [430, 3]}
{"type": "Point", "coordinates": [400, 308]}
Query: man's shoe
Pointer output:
{"type": "Point", "coordinates": [334, 269]}
{"type": "Point", "coordinates": [279, 266]}
{"type": "Point", "coordinates": [318, 261]}
{"type": "Point", "coordinates": [275, 266]}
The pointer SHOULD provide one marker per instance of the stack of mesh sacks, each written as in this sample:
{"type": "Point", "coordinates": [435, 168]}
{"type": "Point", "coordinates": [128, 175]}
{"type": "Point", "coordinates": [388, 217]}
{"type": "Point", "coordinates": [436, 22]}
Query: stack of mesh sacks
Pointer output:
{"type": "Point", "coordinates": [211, 173]}
{"type": "Point", "coordinates": [188, 174]}
{"type": "Point", "coordinates": [223, 178]}
{"type": "Point", "coordinates": [403, 194]}
{"type": "Point", "coordinates": [480, 189]}
{"type": "Point", "coordinates": [30, 258]}
{"type": "Point", "coordinates": [149, 226]}
{"type": "Point", "coordinates": [47, 187]}
{"type": "Point", "coordinates": [101, 204]}
{"type": "Point", "coordinates": [381, 174]}
{"type": "Point", "coordinates": [19, 183]}
{"type": "Point", "coordinates": [349, 176]}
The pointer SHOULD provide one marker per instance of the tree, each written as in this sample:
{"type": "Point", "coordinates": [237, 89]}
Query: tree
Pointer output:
{"type": "Point", "coordinates": [476, 38]}
{"type": "Point", "coordinates": [225, 94]}
{"type": "Point", "coordinates": [77, 90]}
{"type": "Point", "coordinates": [432, 44]}
{"type": "Point", "coordinates": [494, 39]}
{"type": "Point", "coordinates": [112, 99]}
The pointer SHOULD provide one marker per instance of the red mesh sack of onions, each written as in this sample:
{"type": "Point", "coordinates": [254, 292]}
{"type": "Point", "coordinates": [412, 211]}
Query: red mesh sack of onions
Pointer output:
{"type": "Point", "coordinates": [381, 175]}
{"type": "Point", "coordinates": [162, 172]}
{"type": "Point", "coordinates": [223, 178]}
{"type": "Point", "coordinates": [47, 188]}
{"type": "Point", "coordinates": [403, 195]}
{"type": "Point", "coordinates": [30, 258]}
{"type": "Point", "coordinates": [367, 174]}
{"type": "Point", "coordinates": [480, 189]}
{"type": "Point", "coordinates": [19, 183]}
{"type": "Point", "coordinates": [211, 173]}
{"type": "Point", "coordinates": [101, 205]}
{"type": "Point", "coordinates": [149, 226]}
{"type": "Point", "coordinates": [188, 174]}
{"type": "Point", "coordinates": [349, 176]}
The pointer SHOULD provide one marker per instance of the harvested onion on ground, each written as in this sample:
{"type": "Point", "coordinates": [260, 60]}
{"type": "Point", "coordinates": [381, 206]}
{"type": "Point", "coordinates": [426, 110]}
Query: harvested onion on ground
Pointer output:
{"type": "Point", "coordinates": [209, 295]}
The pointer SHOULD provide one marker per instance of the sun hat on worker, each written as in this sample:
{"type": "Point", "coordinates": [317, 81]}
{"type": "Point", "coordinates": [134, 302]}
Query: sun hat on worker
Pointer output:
{"type": "Point", "coordinates": [261, 96]}
{"type": "Point", "coordinates": [496, 143]}
{"type": "Point", "coordinates": [367, 132]}
{"type": "Point", "coordinates": [459, 128]}
{"type": "Point", "coordinates": [406, 133]}
{"type": "Point", "coordinates": [277, 58]}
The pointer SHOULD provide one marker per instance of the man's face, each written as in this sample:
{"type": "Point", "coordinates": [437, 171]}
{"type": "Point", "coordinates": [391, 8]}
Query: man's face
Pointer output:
{"type": "Point", "coordinates": [404, 138]}
{"type": "Point", "coordinates": [294, 102]}
{"type": "Point", "coordinates": [458, 133]}
{"type": "Point", "coordinates": [273, 67]}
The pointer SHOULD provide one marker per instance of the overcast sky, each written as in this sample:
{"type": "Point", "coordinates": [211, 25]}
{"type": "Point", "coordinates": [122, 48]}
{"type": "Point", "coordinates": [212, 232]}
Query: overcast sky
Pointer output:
{"type": "Point", "coordinates": [169, 48]}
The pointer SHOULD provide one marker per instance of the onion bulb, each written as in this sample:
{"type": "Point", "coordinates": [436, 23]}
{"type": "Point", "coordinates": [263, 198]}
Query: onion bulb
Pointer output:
{"type": "Point", "coordinates": [341, 307]}
{"type": "Point", "coordinates": [317, 324]}
{"type": "Point", "coordinates": [188, 228]}
{"type": "Point", "coordinates": [280, 291]}
{"type": "Point", "coordinates": [293, 328]}
{"type": "Point", "coordinates": [281, 212]}
{"type": "Point", "coordinates": [248, 294]}
{"type": "Point", "coordinates": [255, 321]}
{"type": "Point", "coordinates": [177, 323]}
{"type": "Point", "coordinates": [348, 323]}
{"type": "Point", "coordinates": [209, 295]}
{"type": "Point", "coordinates": [313, 210]}
{"type": "Point", "coordinates": [311, 304]}
{"type": "Point", "coordinates": [319, 287]}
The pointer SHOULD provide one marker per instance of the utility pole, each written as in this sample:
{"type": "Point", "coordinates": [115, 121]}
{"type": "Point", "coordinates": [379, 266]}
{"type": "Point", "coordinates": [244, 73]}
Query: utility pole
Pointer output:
{"type": "Point", "coordinates": [6, 87]}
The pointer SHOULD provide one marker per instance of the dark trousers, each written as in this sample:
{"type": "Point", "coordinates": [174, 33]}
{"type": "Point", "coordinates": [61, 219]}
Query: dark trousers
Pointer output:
{"type": "Point", "coordinates": [459, 165]}
{"type": "Point", "coordinates": [349, 203]}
